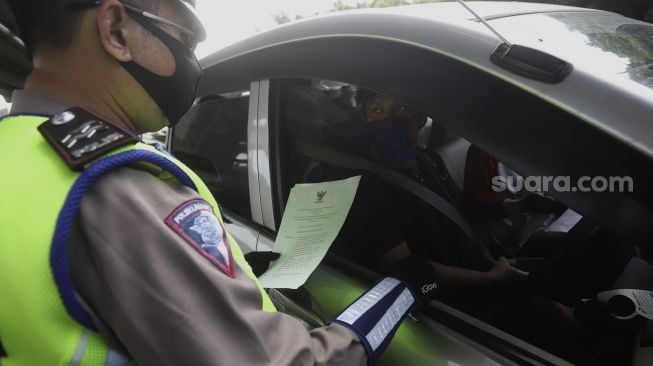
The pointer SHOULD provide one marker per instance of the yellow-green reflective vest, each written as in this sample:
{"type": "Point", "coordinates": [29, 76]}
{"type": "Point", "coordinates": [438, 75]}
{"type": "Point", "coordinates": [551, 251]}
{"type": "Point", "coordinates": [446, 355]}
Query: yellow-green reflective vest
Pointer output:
{"type": "Point", "coordinates": [35, 327]}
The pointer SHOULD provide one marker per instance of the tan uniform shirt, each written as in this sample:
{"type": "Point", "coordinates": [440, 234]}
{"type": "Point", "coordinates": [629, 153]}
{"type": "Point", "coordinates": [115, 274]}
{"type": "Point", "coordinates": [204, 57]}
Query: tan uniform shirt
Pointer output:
{"type": "Point", "coordinates": [162, 300]}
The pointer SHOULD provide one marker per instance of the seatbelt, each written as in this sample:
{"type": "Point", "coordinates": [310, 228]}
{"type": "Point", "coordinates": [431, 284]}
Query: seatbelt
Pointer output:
{"type": "Point", "coordinates": [338, 158]}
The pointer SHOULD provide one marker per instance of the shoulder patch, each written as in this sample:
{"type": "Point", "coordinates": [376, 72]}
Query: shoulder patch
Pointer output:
{"type": "Point", "coordinates": [196, 222]}
{"type": "Point", "coordinates": [80, 137]}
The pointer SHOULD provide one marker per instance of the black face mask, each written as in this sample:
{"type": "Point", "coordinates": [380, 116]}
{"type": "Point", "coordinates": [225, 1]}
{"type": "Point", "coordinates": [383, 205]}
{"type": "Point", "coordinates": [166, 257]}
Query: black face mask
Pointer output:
{"type": "Point", "coordinates": [173, 94]}
{"type": "Point", "coordinates": [389, 142]}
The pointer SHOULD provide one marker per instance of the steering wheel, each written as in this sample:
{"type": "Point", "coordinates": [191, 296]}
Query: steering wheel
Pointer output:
{"type": "Point", "coordinates": [590, 261]}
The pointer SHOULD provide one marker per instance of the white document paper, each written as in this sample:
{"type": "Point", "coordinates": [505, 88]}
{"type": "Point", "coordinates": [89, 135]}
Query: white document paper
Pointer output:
{"type": "Point", "coordinates": [313, 218]}
{"type": "Point", "coordinates": [565, 222]}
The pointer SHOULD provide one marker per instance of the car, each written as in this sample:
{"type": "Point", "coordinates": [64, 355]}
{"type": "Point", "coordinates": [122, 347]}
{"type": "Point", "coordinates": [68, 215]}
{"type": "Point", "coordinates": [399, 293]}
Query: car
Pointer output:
{"type": "Point", "coordinates": [549, 90]}
{"type": "Point", "coordinates": [15, 62]}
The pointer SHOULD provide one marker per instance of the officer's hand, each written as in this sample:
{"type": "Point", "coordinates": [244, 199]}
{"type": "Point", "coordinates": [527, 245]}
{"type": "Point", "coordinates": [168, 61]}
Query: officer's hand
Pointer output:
{"type": "Point", "coordinates": [420, 276]}
{"type": "Point", "coordinates": [260, 261]}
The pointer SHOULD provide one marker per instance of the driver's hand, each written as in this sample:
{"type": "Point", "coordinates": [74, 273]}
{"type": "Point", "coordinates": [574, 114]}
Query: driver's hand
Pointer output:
{"type": "Point", "coordinates": [504, 272]}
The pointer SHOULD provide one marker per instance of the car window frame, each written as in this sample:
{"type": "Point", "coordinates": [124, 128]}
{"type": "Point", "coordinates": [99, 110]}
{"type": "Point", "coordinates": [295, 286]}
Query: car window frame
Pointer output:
{"type": "Point", "coordinates": [246, 231]}
{"type": "Point", "coordinates": [475, 331]}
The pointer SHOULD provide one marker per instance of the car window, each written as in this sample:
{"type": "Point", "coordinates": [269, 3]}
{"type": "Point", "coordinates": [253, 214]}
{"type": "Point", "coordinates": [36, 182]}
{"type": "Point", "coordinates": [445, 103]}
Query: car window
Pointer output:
{"type": "Point", "coordinates": [212, 140]}
{"type": "Point", "coordinates": [384, 216]}
{"type": "Point", "coordinates": [308, 106]}
{"type": "Point", "coordinates": [327, 114]}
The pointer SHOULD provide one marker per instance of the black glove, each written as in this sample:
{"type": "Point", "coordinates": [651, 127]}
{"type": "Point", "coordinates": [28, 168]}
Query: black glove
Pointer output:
{"type": "Point", "coordinates": [420, 276]}
{"type": "Point", "coordinates": [260, 261]}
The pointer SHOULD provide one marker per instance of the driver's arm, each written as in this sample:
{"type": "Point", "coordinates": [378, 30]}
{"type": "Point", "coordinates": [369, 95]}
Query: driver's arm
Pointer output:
{"type": "Point", "coordinates": [456, 277]}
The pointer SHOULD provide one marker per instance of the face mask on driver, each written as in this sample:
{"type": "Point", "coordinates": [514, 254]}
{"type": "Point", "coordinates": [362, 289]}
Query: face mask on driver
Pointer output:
{"type": "Point", "coordinates": [173, 94]}
{"type": "Point", "coordinates": [389, 142]}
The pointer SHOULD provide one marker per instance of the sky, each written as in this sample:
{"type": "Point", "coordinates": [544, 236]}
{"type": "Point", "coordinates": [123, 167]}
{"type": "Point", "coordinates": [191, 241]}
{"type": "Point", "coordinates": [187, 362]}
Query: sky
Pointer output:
{"type": "Point", "coordinates": [227, 22]}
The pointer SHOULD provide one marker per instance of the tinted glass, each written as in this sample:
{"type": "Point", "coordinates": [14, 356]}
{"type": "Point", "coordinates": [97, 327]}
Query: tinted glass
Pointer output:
{"type": "Point", "coordinates": [602, 42]}
{"type": "Point", "coordinates": [383, 131]}
{"type": "Point", "coordinates": [212, 140]}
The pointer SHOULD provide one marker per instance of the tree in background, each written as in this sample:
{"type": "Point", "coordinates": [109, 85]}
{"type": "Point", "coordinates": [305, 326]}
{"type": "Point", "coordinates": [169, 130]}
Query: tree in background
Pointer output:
{"type": "Point", "coordinates": [339, 5]}
{"type": "Point", "coordinates": [282, 17]}
{"type": "Point", "coordinates": [638, 9]}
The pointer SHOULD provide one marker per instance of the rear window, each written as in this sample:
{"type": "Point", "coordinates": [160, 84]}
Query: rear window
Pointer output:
{"type": "Point", "coordinates": [601, 42]}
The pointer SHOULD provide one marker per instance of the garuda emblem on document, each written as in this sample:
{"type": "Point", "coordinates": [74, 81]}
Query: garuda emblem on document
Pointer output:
{"type": "Point", "coordinates": [320, 196]}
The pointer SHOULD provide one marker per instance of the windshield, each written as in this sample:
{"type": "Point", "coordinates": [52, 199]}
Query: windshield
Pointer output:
{"type": "Point", "coordinates": [595, 41]}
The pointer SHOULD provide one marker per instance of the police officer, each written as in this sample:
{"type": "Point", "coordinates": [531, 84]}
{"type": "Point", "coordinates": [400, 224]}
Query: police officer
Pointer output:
{"type": "Point", "coordinates": [112, 252]}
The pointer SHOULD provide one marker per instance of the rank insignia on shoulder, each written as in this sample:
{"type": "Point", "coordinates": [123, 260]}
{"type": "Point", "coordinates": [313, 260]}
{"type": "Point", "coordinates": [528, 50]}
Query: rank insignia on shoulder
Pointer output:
{"type": "Point", "coordinates": [80, 137]}
{"type": "Point", "coordinates": [196, 223]}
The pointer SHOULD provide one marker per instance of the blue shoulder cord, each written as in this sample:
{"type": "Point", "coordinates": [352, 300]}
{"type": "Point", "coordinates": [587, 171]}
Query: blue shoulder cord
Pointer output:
{"type": "Point", "coordinates": [59, 250]}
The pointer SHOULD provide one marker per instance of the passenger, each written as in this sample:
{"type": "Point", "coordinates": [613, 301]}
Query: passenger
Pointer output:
{"type": "Point", "coordinates": [505, 219]}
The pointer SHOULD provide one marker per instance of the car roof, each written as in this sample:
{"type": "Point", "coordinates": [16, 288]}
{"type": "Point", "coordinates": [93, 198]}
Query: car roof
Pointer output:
{"type": "Point", "coordinates": [449, 29]}
{"type": "Point", "coordinates": [453, 12]}
{"type": "Point", "coordinates": [441, 14]}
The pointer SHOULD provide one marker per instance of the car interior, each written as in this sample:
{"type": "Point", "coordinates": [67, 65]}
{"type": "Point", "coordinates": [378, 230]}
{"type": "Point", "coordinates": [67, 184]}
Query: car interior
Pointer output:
{"type": "Point", "coordinates": [563, 279]}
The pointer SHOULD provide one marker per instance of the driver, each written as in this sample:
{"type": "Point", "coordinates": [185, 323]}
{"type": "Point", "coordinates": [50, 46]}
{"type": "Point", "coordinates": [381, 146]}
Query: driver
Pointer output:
{"type": "Point", "coordinates": [402, 225]}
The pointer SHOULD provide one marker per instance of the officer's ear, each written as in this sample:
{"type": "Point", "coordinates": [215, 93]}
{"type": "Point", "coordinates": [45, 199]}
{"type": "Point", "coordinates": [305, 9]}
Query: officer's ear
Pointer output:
{"type": "Point", "coordinates": [113, 30]}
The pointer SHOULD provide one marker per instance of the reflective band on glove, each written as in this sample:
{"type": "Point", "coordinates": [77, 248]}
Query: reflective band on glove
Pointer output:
{"type": "Point", "coordinates": [376, 315]}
